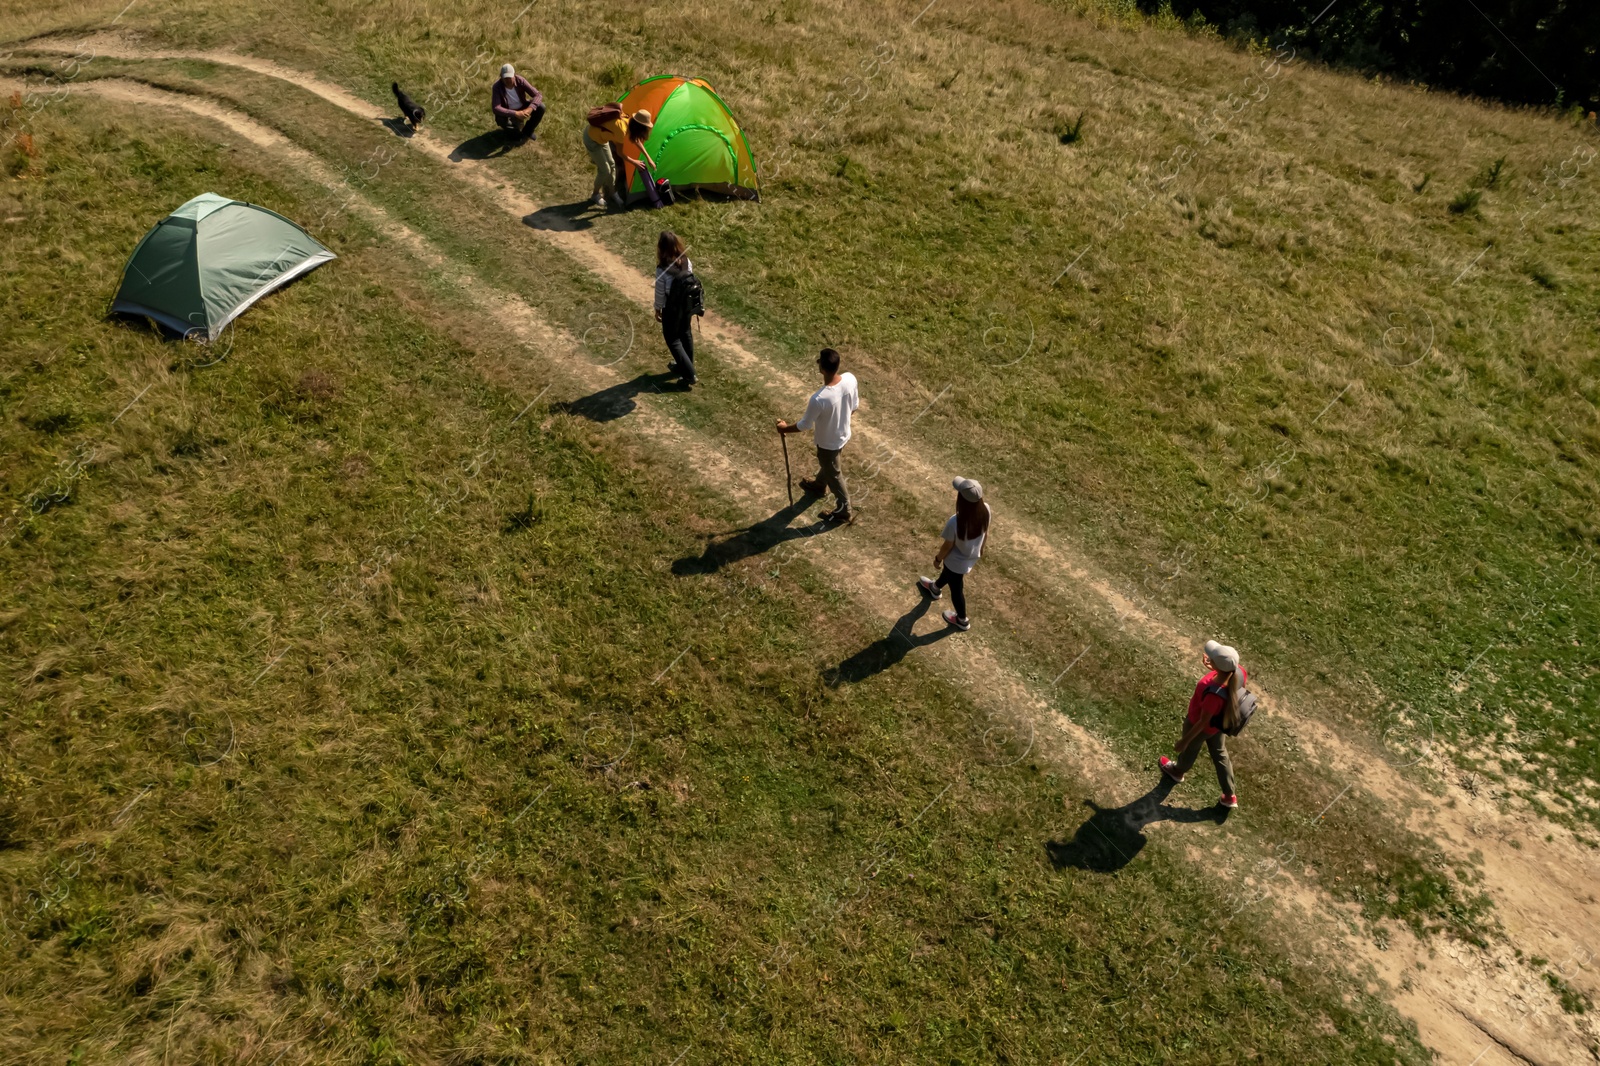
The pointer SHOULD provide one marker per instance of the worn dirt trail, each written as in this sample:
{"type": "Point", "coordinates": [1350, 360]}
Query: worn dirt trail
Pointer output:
{"type": "Point", "coordinates": [1467, 1003]}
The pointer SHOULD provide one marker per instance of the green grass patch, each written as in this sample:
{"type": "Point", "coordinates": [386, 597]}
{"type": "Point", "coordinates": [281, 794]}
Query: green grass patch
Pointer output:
{"type": "Point", "coordinates": [351, 723]}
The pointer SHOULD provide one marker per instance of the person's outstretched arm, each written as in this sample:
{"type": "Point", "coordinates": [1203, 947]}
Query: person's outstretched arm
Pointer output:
{"type": "Point", "coordinates": [807, 420]}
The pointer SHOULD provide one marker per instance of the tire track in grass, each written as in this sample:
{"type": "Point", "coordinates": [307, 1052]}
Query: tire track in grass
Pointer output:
{"type": "Point", "coordinates": [1435, 997]}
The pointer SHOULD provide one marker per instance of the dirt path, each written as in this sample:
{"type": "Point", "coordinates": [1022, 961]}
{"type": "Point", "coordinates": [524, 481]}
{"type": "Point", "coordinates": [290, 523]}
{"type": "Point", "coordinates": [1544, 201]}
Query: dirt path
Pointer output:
{"type": "Point", "coordinates": [1465, 1002]}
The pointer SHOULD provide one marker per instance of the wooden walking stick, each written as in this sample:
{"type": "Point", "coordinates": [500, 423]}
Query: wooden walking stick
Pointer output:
{"type": "Point", "coordinates": [787, 476]}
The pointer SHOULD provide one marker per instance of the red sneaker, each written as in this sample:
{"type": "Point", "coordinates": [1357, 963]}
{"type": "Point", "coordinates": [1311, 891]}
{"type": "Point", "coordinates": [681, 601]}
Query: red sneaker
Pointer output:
{"type": "Point", "coordinates": [1169, 768]}
{"type": "Point", "coordinates": [1230, 802]}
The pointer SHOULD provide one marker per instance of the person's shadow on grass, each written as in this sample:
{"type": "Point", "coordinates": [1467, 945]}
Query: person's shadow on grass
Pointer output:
{"type": "Point", "coordinates": [486, 145]}
{"type": "Point", "coordinates": [887, 651]}
{"type": "Point", "coordinates": [754, 539]}
{"type": "Point", "coordinates": [1112, 836]}
{"type": "Point", "coordinates": [612, 403]}
{"type": "Point", "coordinates": [563, 218]}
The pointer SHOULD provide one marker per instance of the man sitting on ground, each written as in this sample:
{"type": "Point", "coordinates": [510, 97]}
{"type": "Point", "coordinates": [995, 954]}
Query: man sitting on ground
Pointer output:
{"type": "Point", "coordinates": [518, 106]}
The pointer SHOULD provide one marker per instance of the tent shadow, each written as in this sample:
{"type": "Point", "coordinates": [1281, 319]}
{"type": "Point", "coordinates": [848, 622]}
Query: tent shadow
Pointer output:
{"type": "Point", "coordinates": [486, 145]}
{"type": "Point", "coordinates": [562, 217]}
{"type": "Point", "coordinates": [887, 651]}
{"type": "Point", "coordinates": [754, 539]}
{"type": "Point", "coordinates": [612, 403]}
{"type": "Point", "coordinates": [1113, 836]}
{"type": "Point", "coordinates": [398, 126]}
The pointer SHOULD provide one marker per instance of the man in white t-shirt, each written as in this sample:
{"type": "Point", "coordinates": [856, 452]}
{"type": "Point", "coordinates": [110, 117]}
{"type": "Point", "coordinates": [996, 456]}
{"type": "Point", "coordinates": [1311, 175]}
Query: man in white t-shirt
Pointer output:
{"type": "Point", "coordinates": [828, 416]}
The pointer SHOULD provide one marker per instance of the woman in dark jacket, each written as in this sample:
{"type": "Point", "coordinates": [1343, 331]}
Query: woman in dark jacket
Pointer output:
{"type": "Point", "coordinates": [675, 314]}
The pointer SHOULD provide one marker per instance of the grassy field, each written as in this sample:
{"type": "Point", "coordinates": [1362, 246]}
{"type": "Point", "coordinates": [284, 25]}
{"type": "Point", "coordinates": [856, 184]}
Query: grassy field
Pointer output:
{"type": "Point", "coordinates": [465, 808]}
{"type": "Point", "coordinates": [341, 724]}
{"type": "Point", "coordinates": [1250, 240]}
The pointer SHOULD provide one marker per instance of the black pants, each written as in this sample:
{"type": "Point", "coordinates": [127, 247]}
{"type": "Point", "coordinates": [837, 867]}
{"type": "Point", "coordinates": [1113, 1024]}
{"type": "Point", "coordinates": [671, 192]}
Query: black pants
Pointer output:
{"type": "Point", "coordinates": [514, 124]}
{"type": "Point", "coordinates": [958, 595]}
{"type": "Point", "coordinates": [681, 346]}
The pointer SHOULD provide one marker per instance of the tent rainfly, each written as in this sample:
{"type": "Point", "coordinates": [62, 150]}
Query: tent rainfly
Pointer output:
{"type": "Point", "coordinates": [203, 265]}
{"type": "Point", "coordinates": [696, 143]}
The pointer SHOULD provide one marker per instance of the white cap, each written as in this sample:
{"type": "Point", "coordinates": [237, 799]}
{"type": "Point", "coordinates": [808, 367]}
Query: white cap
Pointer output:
{"type": "Point", "coordinates": [1224, 658]}
{"type": "Point", "coordinates": [508, 71]}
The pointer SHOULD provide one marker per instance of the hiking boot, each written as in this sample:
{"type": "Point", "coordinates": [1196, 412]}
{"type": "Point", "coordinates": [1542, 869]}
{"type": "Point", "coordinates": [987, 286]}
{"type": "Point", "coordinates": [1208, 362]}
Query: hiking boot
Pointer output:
{"type": "Point", "coordinates": [837, 517]}
{"type": "Point", "coordinates": [1229, 802]}
{"type": "Point", "coordinates": [811, 486]}
{"type": "Point", "coordinates": [934, 591]}
{"type": "Point", "coordinates": [952, 619]}
{"type": "Point", "coordinates": [1170, 768]}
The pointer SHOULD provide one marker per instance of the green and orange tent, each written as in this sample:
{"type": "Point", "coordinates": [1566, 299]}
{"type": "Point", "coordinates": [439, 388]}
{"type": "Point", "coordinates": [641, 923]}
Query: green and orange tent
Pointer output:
{"type": "Point", "coordinates": [697, 143]}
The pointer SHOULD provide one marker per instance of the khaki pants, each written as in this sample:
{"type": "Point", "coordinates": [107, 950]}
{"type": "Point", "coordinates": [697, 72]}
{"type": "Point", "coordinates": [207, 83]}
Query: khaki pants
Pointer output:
{"type": "Point", "coordinates": [1217, 744]}
{"type": "Point", "coordinates": [829, 477]}
{"type": "Point", "coordinates": [605, 168]}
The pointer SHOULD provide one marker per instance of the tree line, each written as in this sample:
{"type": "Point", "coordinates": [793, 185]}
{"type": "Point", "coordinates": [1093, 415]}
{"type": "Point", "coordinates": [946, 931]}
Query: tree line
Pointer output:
{"type": "Point", "coordinates": [1541, 52]}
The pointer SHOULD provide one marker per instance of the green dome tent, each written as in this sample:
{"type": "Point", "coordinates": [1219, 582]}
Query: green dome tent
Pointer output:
{"type": "Point", "coordinates": [696, 143]}
{"type": "Point", "coordinates": [203, 265]}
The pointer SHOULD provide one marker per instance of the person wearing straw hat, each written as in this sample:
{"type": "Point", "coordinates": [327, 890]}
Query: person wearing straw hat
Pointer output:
{"type": "Point", "coordinates": [640, 126]}
{"type": "Point", "coordinates": [1213, 707]}
{"type": "Point", "coordinates": [961, 544]}
{"type": "Point", "coordinates": [606, 137]}
{"type": "Point", "coordinates": [518, 107]}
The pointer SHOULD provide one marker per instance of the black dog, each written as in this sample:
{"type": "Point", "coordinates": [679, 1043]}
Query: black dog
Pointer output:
{"type": "Point", "coordinates": [408, 106]}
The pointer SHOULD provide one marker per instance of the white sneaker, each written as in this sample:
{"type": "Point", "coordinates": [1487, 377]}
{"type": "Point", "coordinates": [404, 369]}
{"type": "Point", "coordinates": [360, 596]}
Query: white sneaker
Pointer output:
{"type": "Point", "coordinates": [952, 619]}
{"type": "Point", "coordinates": [934, 591]}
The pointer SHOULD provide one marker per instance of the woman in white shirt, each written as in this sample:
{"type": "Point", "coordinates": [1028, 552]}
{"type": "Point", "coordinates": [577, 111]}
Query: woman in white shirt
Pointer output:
{"type": "Point", "coordinates": [963, 536]}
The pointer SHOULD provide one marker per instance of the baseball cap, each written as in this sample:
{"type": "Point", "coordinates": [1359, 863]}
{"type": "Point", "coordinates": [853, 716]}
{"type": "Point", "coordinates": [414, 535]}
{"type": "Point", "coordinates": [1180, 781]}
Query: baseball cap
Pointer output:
{"type": "Point", "coordinates": [508, 71]}
{"type": "Point", "coordinates": [1224, 658]}
{"type": "Point", "coordinates": [970, 490]}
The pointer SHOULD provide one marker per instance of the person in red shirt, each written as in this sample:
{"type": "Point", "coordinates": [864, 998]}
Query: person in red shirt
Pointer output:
{"type": "Point", "coordinates": [1215, 704]}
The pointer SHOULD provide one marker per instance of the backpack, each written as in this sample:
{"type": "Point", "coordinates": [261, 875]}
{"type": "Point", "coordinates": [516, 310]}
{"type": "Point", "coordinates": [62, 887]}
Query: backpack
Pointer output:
{"type": "Point", "coordinates": [1247, 707]}
{"type": "Point", "coordinates": [686, 297]}
{"type": "Point", "coordinates": [599, 116]}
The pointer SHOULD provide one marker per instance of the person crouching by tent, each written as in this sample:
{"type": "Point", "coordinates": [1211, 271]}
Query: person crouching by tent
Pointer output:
{"type": "Point", "coordinates": [678, 300]}
{"type": "Point", "coordinates": [518, 107]}
{"type": "Point", "coordinates": [962, 543]}
{"type": "Point", "coordinates": [1213, 707]}
{"type": "Point", "coordinates": [828, 415]}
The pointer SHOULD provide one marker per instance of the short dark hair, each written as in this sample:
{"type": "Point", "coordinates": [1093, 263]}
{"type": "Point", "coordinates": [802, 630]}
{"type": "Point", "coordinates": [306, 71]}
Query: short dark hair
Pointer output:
{"type": "Point", "coordinates": [829, 361]}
